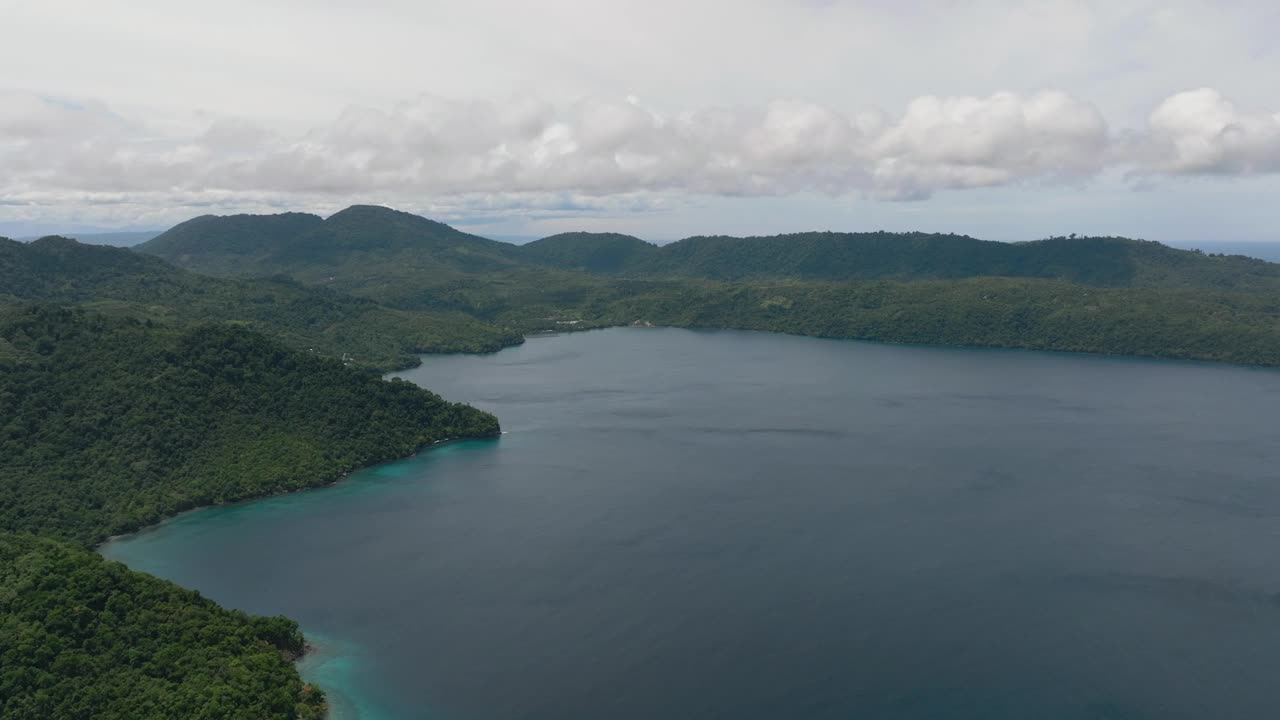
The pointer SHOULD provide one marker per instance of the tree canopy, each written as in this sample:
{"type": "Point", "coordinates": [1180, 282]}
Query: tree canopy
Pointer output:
{"type": "Point", "coordinates": [111, 424]}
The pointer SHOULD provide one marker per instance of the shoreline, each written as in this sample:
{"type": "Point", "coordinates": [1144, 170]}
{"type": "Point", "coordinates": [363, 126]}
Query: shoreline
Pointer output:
{"type": "Point", "coordinates": [97, 546]}
{"type": "Point", "coordinates": [310, 648]}
{"type": "Point", "coordinates": [652, 325]}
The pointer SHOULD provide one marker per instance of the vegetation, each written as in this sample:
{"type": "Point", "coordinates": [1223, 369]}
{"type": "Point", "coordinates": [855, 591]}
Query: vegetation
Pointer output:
{"type": "Point", "coordinates": [1095, 294]}
{"type": "Point", "coordinates": [336, 250]}
{"type": "Point", "coordinates": [356, 246]}
{"type": "Point", "coordinates": [123, 283]}
{"type": "Point", "coordinates": [837, 257]}
{"type": "Point", "coordinates": [608, 253]}
{"type": "Point", "coordinates": [111, 424]}
{"type": "Point", "coordinates": [235, 240]}
{"type": "Point", "coordinates": [81, 637]}
{"type": "Point", "coordinates": [136, 389]}
{"type": "Point", "coordinates": [992, 312]}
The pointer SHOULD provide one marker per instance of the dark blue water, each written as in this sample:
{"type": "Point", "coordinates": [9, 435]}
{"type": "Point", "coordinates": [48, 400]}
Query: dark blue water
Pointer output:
{"type": "Point", "coordinates": [735, 525]}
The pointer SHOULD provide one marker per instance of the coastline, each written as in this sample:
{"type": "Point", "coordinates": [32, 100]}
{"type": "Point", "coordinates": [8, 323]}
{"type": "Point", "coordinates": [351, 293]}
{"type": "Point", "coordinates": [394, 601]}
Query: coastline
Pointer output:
{"type": "Point", "coordinates": [319, 485]}
{"type": "Point", "coordinates": [321, 665]}
{"type": "Point", "coordinates": [644, 323]}
{"type": "Point", "coordinates": [1167, 357]}
{"type": "Point", "coordinates": [318, 651]}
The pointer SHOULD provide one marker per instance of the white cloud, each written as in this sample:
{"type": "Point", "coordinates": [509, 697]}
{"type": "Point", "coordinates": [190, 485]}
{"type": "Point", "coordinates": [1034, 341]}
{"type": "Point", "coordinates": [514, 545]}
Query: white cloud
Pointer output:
{"type": "Point", "coordinates": [971, 142]}
{"type": "Point", "coordinates": [530, 153]}
{"type": "Point", "coordinates": [1201, 132]}
{"type": "Point", "coordinates": [629, 103]}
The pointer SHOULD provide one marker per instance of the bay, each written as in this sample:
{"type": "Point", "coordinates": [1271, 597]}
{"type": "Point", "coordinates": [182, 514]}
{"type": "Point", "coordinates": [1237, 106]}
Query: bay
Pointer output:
{"type": "Point", "coordinates": [685, 524]}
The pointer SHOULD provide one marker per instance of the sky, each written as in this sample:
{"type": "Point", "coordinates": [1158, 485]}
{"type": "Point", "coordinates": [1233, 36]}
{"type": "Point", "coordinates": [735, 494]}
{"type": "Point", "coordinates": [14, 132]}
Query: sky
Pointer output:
{"type": "Point", "coordinates": [663, 119]}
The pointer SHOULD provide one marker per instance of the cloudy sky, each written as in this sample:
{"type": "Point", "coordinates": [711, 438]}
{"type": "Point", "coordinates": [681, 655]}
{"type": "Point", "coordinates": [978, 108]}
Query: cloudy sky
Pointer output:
{"type": "Point", "coordinates": [1006, 120]}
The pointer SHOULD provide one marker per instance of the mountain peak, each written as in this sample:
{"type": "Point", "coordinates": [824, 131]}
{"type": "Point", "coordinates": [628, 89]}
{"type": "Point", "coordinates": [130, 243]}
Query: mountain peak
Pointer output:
{"type": "Point", "coordinates": [229, 235]}
{"type": "Point", "coordinates": [385, 219]}
{"type": "Point", "coordinates": [591, 251]}
{"type": "Point", "coordinates": [370, 210]}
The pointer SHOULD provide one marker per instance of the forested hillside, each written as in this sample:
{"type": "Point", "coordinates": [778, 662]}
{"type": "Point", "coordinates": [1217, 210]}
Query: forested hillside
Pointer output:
{"type": "Point", "coordinates": [131, 389]}
{"type": "Point", "coordinates": [838, 257]}
{"type": "Point", "coordinates": [608, 253]}
{"type": "Point", "coordinates": [1095, 294]}
{"type": "Point", "coordinates": [81, 637]}
{"type": "Point", "coordinates": [236, 242]}
{"type": "Point", "coordinates": [354, 248]}
{"type": "Point", "coordinates": [983, 312]}
{"type": "Point", "coordinates": [353, 240]}
{"type": "Point", "coordinates": [109, 424]}
{"type": "Point", "coordinates": [124, 283]}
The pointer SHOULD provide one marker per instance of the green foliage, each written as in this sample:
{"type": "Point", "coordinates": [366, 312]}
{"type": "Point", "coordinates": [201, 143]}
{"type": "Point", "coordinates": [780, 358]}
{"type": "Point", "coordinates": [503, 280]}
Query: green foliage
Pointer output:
{"type": "Point", "coordinates": [111, 425]}
{"type": "Point", "coordinates": [835, 257]}
{"type": "Point", "coordinates": [260, 245]}
{"type": "Point", "coordinates": [107, 425]}
{"type": "Point", "coordinates": [593, 252]}
{"type": "Point", "coordinates": [165, 398]}
{"type": "Point", "coordinates": [1096, 294]}
{"type": "Point", "coordinates": [123, 283]}
{"type": "Point", "coordinates": [84, 638]}
{"type": "Point", "coordinates": [991, 312]}
{"type": "Point", "coordinates": [236, 240]}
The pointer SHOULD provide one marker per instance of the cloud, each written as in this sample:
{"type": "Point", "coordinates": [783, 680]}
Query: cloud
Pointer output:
{"type": "Point", "coordinates": [1202, 133]}
{"type": "Point", "coordinates": [967, 142]}
{"type": "Point", "coordinates": [604, 154]}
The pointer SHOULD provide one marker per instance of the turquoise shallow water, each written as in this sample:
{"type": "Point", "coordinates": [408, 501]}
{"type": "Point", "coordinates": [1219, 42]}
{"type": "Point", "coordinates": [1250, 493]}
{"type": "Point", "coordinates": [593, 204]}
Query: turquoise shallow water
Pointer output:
{"type": "Point", "coordinates": [334, 661]}
{"type": "Point", "coordinates": [717, 524]}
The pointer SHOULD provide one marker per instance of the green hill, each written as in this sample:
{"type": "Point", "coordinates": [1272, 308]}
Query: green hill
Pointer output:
{"type": "Point", "coordinates": [1024, 313]}
{"type": "Point", "coordinates": [592, 252]}
{"type": "Point", "coordinates": [1184, 303]}
{"type": "Point", "coordinates": [81, 637]}
{"type": "Point", "coordinates": [227, 245]}
{"type": "Point", "coordinates": [107, 425]}
{"type": "Point", "coordinates": [296, 243]}
{"type": "Point", "coordinates": [382, 231]}
{"type": "Point", "coordinates": [122, 282]}
{"type": "Point", "coordinates": [363, 249]}
{"type": "Point", "coordinates": [838, 257]}
{"type": "Point", "coordinates": [124, 238]}
{"type": "Point", "coordinates": [112, 425]}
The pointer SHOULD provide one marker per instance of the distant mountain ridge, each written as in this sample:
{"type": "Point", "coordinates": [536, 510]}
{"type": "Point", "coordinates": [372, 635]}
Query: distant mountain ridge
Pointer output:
{"type": "Point", "coordinates": [121, 238]}
{"type": "Point", "coordinates": [835, 257]}
{"type": "Point", "coordinates": [593, 252]}
{"type": "Point", "coordinates": [298, 244]}
{"type": "Point", "coordinates": [1087, 294]}
{"type": "Point", "coordinates": [254, 245]}
{"type": "Point", "coordinates": [231, 239]}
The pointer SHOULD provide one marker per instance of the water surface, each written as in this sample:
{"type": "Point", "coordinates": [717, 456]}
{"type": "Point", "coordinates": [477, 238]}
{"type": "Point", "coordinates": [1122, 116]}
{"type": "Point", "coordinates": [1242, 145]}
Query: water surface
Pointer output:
{"type": "Point", "coordinates": [737, 525]}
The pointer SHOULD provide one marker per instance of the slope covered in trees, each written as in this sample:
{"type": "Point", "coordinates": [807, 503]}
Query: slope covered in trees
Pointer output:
{"type": "Point", "coordinates": [363, 248]}
{"type": "Point", "coordinates": [121, 282]}
{"type": "Point", "coordinates": [81, 637]}
{"type": "Point", "coordinates": [107, 425]}
{"type": "Point", "coordinates": [235, 242]}
{"type": "Point", "coordinates": [983, 312]}
{"type": "Point", "coordinates": [609, 253]}
{"type": "Point", "coordinates": [145, 390]}
{"type": "Point", "coordinates": [308, 247]}
{"type": "Point", "coordinates": [112, 425]}
{"type": "Point", "coordinates": [839, 257]}
{"type": "Point", "coordinates": [1099, 294]}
